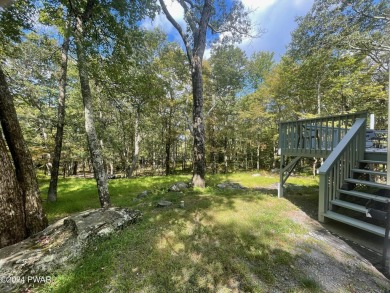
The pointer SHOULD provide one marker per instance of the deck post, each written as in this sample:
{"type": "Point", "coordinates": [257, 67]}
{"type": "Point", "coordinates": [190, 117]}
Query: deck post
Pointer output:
{"type": "Point", "coordinates": [322, 200]}
{"type": "Point", "coordinates": [280, 185]}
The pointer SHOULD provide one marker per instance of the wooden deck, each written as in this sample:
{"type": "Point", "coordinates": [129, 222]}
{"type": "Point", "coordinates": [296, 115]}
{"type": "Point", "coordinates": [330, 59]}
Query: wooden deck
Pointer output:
{"type": "Point", "coordinates": [314, 137]}
{"type": "Point", "coordinates": [354, 171]}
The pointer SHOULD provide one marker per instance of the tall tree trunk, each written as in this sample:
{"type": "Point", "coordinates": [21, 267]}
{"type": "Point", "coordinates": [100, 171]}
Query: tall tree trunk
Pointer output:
{"type": "Point", "coordinates": [35, 219]}
{"type": "Point", "coordinates": [315, 160]}
{"type": "Point", "coordinates": [167, 157]}
{"type": "Point", "coordinates": [199, 172]}
{"type": "Point", "coordinates": [137, 141]}
{"type": "Point", "coordinates": [93, 141]}
{"type": "Point", "coordinates": [52, 193]}
{"type": "Point", "coordinates": [195, 57]}
{"type": "Point", "coordinates": [319, 98]}
{"type": "Point", "coordinates": [184, 163]}
{"type": "Point", "coordinates": [213, 149]}
{"type": "Point", "coordinates": [75, 167]}
{"type": "Point", "coordinates": [168, 143]}
{"type": "Point", "coordinates": [12, 228]}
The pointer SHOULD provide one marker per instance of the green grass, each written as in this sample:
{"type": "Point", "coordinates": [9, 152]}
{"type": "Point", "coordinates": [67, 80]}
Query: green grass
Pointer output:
{"type": "Point", "coordinates": [221, 241]}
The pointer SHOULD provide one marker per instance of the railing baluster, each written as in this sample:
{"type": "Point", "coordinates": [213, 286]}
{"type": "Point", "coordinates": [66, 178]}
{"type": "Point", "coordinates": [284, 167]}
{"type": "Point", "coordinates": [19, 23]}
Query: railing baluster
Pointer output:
{"type": "Point", "coordinates": [314, 137]}
{"type": "Point", "coordinates": [341, 138]}
{"type": "Point", "coordinates": [340, 162]}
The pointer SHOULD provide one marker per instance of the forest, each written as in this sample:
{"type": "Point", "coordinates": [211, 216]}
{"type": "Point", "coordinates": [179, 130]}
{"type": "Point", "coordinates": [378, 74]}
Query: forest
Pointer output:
{"type": "Point", "coordinates": [86, 90]}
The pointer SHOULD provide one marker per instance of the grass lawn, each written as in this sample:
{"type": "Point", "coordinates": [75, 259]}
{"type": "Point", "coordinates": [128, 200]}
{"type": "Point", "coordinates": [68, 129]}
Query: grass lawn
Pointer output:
{"type": "Point", "coordinates": [222, 241]}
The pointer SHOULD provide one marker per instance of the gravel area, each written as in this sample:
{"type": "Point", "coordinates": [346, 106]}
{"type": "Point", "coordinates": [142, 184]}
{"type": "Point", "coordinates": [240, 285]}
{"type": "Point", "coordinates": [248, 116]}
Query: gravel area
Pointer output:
{"type": "Point", "coordinates": [330, 262]}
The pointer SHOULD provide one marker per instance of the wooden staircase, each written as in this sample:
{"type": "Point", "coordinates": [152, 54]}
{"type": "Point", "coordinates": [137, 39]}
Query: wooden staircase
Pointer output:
{"type": "Point", "coordinates": [364, 189]}
{"type": "Point", "coordinates": [352, 179]}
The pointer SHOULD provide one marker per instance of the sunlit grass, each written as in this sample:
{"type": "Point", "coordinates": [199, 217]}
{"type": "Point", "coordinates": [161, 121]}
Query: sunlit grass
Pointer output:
{"type": "Point", "coordinates": [223, 240]}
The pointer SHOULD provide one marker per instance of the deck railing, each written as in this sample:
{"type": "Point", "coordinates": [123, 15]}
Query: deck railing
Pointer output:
{"type": "Point", "coordinates": [337, 167]}
{"type": "Point", "coordinates": [315, 137]}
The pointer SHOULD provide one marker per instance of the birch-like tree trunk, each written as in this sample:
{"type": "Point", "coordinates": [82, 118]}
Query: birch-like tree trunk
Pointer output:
{"type": "Point", "coordinates": [168, 143]}
{"type": "Point", "coordinates": [137, 141]}
{"type": "Point", "coordinates": [52, 193]}
{"type": "Point", "coordinates": [93, 141]}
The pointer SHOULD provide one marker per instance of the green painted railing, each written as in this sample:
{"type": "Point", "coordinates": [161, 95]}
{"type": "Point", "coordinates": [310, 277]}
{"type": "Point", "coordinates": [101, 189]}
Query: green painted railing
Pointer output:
{"type": "Point", "coordinates": [315, 137]}
{"type": "Point", "coordinates": [337, 167]}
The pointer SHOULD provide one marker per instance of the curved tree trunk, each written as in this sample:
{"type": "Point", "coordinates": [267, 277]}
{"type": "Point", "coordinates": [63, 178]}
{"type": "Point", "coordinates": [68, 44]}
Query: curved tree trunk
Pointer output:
{"type": "Point", "coordinates": [35, 219]}
{"type": "Point", "coordinates": [52, 193]}
{"type": "Point", "coordinates": [93, 142]}
{"type": "Point", "coordinates": [12, 228]}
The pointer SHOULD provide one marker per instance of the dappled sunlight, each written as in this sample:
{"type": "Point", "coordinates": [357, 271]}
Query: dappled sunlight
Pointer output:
{"type": "Point", "coordinates": [250, 180]}
{"type": "Point", "coordinates": [169, 241]}
{"type": "Point", "coordinates": [214, 245]}
{"type": "Point", "coordinates": [222, 240]}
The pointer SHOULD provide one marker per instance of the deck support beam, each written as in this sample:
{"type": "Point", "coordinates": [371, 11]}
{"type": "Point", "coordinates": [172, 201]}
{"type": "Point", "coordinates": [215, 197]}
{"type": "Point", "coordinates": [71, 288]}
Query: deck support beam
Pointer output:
{"type": "Point", "coordinates": [285, 173]}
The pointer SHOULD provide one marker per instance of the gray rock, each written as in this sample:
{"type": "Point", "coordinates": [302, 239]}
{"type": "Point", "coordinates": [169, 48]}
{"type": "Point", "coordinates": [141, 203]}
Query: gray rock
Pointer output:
{"type": "Point", "coordinates": [163, 203]}
{"type": "Point", "coordinates": [59, 245]}
{"type": "Point", "coordinates": [230, 185]}
{"type": "Point", "coordinates": [144, 194]}
{"type": "Point", "coordinates": [178, 186]}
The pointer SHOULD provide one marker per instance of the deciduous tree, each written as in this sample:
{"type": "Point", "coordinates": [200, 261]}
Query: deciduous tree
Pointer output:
{"type": "Point", "coordinates": [23, 209]}
{"type": "Point", "coordinates": [231, 23]}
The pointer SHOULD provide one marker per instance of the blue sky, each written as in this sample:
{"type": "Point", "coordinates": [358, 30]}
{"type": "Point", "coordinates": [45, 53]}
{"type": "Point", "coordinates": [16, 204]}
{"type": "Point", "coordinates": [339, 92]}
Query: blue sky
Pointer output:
{"type": "Point", "coordinates": [276, 17]}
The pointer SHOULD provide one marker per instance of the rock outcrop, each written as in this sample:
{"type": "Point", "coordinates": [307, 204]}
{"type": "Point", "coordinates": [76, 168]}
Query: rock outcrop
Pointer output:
{"type": "Point", "coordinates": [179, 186]}
{"type": "Point", "coordinates": [230, 185]}
{"type": "Point", "coordinates": [59, 245]}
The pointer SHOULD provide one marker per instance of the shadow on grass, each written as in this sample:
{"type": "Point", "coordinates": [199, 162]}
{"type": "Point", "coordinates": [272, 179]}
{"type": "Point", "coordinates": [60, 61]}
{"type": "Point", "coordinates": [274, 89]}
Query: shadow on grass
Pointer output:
{"type": "Point", "coordinates": [304, 197]}
{"type": "Point", "coordinates": [221, 241]}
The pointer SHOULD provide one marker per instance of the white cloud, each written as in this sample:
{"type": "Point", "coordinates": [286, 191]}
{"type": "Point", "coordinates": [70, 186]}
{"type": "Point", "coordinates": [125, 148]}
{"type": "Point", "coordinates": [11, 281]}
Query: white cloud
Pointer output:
{"type": "Point", "coordinates": [175, 10]}
{"type": "Point", "coordinates": [207, 53]}
{"type": "Point", "coordinates": [161, 20]}
{"type": "Point", "coordinates": [277, 18]}
{"type": "Point", "coordinates": [257, 5]}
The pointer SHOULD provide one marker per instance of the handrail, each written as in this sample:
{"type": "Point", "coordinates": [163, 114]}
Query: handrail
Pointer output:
{"type": "Point", "coordinates": [315, 137]}
{"type": "Point", "coordinates": [337, 167]}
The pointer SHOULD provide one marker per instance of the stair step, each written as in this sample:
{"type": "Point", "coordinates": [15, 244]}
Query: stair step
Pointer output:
{"type": "Point", "coordinates": [349, 205]}
{"type": "Point", "coordinates": [356, 223]}
{"type": "Point", "coordinates": [365, 195]}
{"type": "Point", "coordinates": [368, 183]}
{"type": "Point", "coordinates": [364, 171]}
{"type": "Point", "coordinates": [373, 162]}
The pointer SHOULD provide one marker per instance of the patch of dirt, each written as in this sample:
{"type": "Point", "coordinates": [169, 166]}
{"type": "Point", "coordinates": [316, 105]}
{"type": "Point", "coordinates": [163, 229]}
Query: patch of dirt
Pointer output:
{"type": "Point", "coordinates": [328, 261]}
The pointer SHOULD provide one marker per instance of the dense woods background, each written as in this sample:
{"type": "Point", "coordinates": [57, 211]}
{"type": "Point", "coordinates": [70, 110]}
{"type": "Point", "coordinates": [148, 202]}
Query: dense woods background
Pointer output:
{"type": "Point", "coordinates": [120, 97]}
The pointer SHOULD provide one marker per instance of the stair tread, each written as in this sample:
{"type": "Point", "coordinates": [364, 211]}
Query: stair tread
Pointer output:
{"type": "Point", "coordinates": [365, 195]}
{"type": "Point", "coordinates": [369, 172]}
{"type": "Point", "coordinates": [356, 223]}
{"type": "Point", "coordinates": [373, 162]}
{"type": "Point", "coordinates": [368, 183]}
{"type": "Point", "coordinates": [349, 205]}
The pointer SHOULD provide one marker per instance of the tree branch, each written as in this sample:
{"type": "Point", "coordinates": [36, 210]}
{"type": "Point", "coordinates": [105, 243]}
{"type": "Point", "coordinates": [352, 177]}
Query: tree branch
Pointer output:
{"type": "Point", "coordinates": [188, 15]}
{"type": "Point", "coordinates": [88, 10]}
{"type": "Point", "coordinates": [378, 17]}
{"type": "Point", "coordinates": [179, 29]}
{"type": "Point", "coordinates": [200, 35]}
